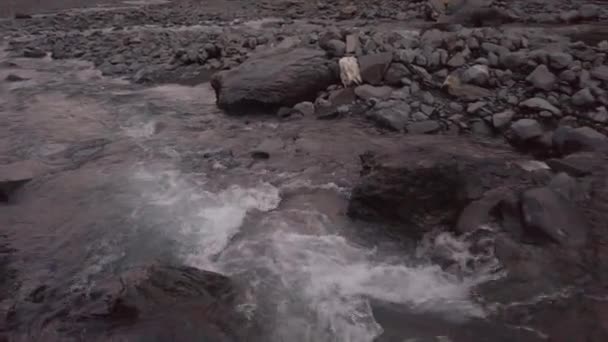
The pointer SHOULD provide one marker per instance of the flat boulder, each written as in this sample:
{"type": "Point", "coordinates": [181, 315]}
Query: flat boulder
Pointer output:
{"type": "Point", "coordinates": [280, 78]}
{"type": "Point", "coordinates": [429, 180]}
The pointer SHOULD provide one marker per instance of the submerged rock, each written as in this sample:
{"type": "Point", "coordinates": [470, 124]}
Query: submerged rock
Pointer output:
{"type": "Point", "coordinates": [273, 80]}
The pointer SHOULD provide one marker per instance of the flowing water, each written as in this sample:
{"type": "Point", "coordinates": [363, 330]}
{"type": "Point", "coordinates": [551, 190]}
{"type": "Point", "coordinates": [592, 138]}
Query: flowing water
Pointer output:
{"type": "Point", "coordinates": [130, 174]}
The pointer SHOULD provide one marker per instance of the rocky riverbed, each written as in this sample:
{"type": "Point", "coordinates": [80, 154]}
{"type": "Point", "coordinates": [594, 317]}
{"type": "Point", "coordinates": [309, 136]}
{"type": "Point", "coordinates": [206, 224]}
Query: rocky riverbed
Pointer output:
{"type": "Point", "coordinates": [197, 170]}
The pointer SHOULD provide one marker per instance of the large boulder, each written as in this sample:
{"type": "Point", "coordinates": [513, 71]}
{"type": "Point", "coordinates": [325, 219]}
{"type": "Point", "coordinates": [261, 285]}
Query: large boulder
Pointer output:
{"type": "Point", "coordinates": [280, 78]}
{"type": "Point", "coordinates": [423, 183]}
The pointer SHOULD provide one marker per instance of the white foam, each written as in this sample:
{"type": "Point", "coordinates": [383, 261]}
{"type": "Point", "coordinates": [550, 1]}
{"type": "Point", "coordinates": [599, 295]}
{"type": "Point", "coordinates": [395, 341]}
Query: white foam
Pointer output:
{"type": "Point", "coordinates": [333, 281]}
{"type": "Point", "coordinates": [205, 221]}
{"type": "Point", "coordinates": [312, 284]}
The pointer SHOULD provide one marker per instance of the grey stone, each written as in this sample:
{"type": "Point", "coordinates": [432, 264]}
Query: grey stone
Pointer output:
{"type": "Point", "coordinates": [583, 97]}
{"type": "Point", "coordinates": [502, 119]}
{"type": "Point", "coordinates": [570, 16]}
{"type": "Point", "coordinates": [526, 129]}
{"type": "Point", "coordinates": [481, 128]}
{"type": "Point", "coordinates": [428, 98]}
{"type": "Point", "coordinates": [493, 59]}
{"type": "Point", "coordinates": [373, 67]}
{"type": "Point", "coordinates": [512, 99]}
{"type": "Point", "coordinates": [433, 38]}
{"type": "Point", "coordinates": [547, 212]}
{"type": "Point", "coordinates": [297, 75]}
{"type": "Point", "coordinates": [424, 127]}
{"type": "Point", "coordinates": [426, 109]}
{"type": "Point", "coordinates": [352, 44]}
{"type": "Point", "coordinates": [538, 104]}
{"type": "Point", "coordinates": [569, 140]}
{"type": "Point", "coordinates": [336, 48]}
{"type": "Point", "coordinates": [457, 60]}
{"type": "Point", "coordinates": [578, 164]}
{"type": "Point", "coordinates": [472, 43]}
{"type": "Point", "coordinates": [600, 72]}
{"type": "Point", "coordinates": [406, 56]}
{"type": "Point", "coordinates": [477, 74]}
{"type": "Point", "coordinates": [589, 11]}
{"type": "Point", "coordinates": [434, 59]}
{"type": "Point", "coordinates": [394, 117]}
{"type": "Point", "coordinates": [421, 60]}
{"type": "Point", "coordinates": [494, 48]}
{"type": "Point", "coordinates": [568, 76]}
{"type": "Point", "coordinates": [419, 116]}
{"type": "Point", "coordinates": [475, 107]}
{"type": "Point", "coordinates": [542, 78]}
{"type": "Point", "coordinates": [443, 56]}
{"type": "Point", "coordinates": [457, 107]}
{"type": "Point", "coordinates": [567, 187]}
{"type": "Point", "coordinates": [305, 108]}
{"type": "Point", "coordinates": [14, 78]}
{"type": "Point", "coordinates": [560, 60]}
{"type": "Point", "coordinates": [395, 74]}
{"type": "Point", "coordinates": [601, 115]}
{"type": "Point", "coordinates": [401, 94]}
{"type": "Point", "coordinates": [33, 53]}
{"type": "Point", "coordinates": [367, 91]}
{"type": "Point", "coordinates": [342, 96]}
{"type": "Point", "coordinates": [545, 114]}
{"type": "Point", "coordinates": [513, 60]}
{"type": "Point", "coordinates": [441, 74]}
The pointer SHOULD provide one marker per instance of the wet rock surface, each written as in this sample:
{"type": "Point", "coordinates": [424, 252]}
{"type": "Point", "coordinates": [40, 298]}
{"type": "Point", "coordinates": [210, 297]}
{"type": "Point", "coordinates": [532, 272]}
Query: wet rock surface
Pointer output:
{"type": "Point", "coordinates": [179, 302]}
{"type": "Point", "coordinates": [99, 139]}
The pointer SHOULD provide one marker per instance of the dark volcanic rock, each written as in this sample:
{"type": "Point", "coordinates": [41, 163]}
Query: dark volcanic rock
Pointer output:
{"type": "Point", "coordinates": [394, 116]}
{"type": "Point", "coordinates": [276, 79]}
{"type": "Point", "coordinates": [542, 78]}
{"type": "Point", "coordinates": [395, 73]}
{"type": "Point", "coordinates": [569, 140]}
{"type": "Point", "coordinates": [336, 48]}
{"type": "Point", "coordinates": [14, 78]}
{"type": "Point", "coordinates": [526, 129]}
{"type": "Point", "coordinates": [33, 53]}
{"type": "Point", "coordinates": [367, 91]}
{"type": "Point", "coordinates": [536, 103]}
{"type": "Point", "coordinates": [547, 213]}
{"type": "Point", "coordinates": [578, 164]}
{"type": "Point", "coordinates": [427, 183]}
{"type": "Point", "coordinates": [583, 97]}
{"type": "Point", "coordinates": [479, 212]}
{"type": "Point", "coordinates": [423, 127]}
{"type": "Point", "coordinates": [148, 303]}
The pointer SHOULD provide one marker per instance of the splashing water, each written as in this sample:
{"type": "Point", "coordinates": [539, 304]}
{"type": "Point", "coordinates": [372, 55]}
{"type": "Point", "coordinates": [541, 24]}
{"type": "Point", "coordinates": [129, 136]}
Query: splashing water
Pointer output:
{"type": "Point", "coordinates": [308, 282]}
